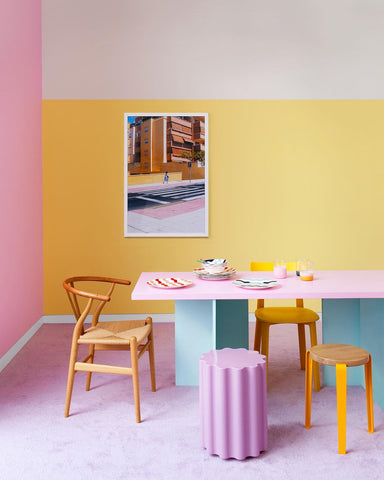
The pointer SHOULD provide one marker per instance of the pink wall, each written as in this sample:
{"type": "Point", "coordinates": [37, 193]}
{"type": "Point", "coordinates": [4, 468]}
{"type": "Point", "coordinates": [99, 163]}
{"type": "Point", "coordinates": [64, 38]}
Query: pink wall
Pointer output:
{"type": "Point", "coordinates": [21, 245]}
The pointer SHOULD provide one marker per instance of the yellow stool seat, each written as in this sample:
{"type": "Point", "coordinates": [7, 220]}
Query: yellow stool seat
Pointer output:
{"type": "Point", "coordinates": [277, 315]}
{"type": "Point", "coordinates": [341, 356]}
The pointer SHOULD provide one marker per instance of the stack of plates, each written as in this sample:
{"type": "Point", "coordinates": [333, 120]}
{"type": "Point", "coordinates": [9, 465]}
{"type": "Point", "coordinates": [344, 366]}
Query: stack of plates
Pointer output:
{"type": "Point", "coordinates": [255, 283]}
{"type": "Point", "coordinates": [228, 272]}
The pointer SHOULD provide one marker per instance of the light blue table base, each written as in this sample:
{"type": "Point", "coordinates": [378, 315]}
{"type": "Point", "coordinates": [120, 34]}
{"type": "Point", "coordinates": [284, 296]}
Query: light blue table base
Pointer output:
{"type": "Point", "coordinates": [204, 325]}
{"type": "Point", "coordinates": [358, 322]}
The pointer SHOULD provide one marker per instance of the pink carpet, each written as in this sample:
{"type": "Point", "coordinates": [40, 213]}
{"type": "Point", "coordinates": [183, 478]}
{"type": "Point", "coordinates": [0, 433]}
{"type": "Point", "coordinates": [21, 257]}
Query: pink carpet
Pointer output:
{"type": "Point", "coordinates": [100, 440]}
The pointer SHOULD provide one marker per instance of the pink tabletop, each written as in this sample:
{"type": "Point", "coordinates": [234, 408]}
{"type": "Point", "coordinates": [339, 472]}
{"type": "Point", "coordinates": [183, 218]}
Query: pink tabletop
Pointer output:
{"type": "Point", "coordinates": [326, 284]}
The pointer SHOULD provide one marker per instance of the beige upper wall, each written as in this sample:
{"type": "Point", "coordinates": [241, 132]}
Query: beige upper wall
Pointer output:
{"type": "Point", "coordinates": [213, 49]}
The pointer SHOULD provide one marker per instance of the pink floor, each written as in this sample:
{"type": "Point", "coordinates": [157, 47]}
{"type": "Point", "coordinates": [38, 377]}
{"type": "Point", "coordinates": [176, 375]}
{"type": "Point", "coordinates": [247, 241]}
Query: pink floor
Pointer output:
{"type": "Point", "coordinates": [100, 440]}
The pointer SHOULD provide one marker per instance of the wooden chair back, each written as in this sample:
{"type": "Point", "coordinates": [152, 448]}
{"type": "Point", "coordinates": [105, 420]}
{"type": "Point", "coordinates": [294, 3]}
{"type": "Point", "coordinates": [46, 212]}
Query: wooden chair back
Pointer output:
{"type": "Point", "coordinates": [96, 301]}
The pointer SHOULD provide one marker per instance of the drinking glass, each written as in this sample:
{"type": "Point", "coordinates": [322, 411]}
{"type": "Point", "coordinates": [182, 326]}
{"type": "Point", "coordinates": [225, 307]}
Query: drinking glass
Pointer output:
{"type": "Point", "coordinates": [306, 271]}
{"type": "Point", "coordinates": [280, 269]}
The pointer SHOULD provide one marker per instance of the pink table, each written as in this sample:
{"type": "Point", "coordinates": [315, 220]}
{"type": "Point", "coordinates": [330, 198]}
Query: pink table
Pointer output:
{"type": "Point", "coordinates": [212, 315]}
{"type": "Point", "coordinates": [326, 284]}
{"type": "Point", "coordinates": [233, 403]}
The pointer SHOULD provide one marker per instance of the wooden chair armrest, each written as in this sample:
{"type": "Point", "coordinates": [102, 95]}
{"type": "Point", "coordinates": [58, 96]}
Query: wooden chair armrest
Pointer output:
{"type": "Point", "coordinates": [90, 278]}
{"type": "Point", "coordinates": [68, 284]}
{"type": "Point", "coordinates": [75, 291]}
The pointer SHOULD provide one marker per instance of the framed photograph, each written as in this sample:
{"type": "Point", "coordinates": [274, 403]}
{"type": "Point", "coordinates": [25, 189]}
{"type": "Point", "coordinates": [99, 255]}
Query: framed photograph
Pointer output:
{"type": "Point", "coordinates": [166, 175]}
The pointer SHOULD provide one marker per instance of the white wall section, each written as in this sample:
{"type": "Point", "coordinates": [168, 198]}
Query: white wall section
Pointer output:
{"type": "Point", "coordinates": [213, 49]}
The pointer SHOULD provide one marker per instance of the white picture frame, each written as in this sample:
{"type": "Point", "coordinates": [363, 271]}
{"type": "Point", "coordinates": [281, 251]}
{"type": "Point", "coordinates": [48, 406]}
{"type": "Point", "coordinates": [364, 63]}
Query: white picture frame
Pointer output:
{"type": "Point", "coordinates": [165, 174]}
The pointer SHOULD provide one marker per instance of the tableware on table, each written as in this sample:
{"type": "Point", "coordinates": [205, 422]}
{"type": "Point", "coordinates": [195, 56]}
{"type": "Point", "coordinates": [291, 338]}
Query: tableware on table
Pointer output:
{"type": "Point", "coordinates": [301, 264]}
{"type": "Point", "coordinates": [169, 282]}
{"type": "Point", "coordinates": [255, 283]}
{"type": "Point", "coordinates": [214, 265]}
{"type": "Point", "coordinates": [306, 271]}
{"type": "Point", "coordinates": [280, 269]}
{"type": "Point", "coordinates": [306, 275]}
{"type": "Point", "coordinates": [203, 274]}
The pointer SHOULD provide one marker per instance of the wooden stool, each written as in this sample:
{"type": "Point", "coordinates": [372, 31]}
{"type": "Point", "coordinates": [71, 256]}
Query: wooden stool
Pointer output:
{"type": "Point", "coordinates": [340, 356]}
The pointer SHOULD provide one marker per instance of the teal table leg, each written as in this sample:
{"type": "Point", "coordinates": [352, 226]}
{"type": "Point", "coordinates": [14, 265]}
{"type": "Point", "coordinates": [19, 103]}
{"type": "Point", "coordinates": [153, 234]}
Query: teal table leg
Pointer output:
{"type": "Point", "coordinates": [341, 324]}
{"type": "Point", "coordinates": [357, 322]}
{"type": "Point", "coordinates": [193, 336]}
{"type": "Point", "coordinates": [372, 339]}
{"type": "Point", "coordinates": [231, 324]}
{"type": "Point", "coordinates": [203, 325]}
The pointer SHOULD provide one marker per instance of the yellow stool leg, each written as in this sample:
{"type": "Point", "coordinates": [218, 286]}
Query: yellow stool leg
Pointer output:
{"type": "Point", "coordinates": [341, 392]}
{"type": "Point", "coordinates": [265, 343]}
{"type": "Point", "coordinates": [257, 341]}
{"type": "Point", "coordinates": [368, 392]}
{"type": "Point", "coordinates": [316, 367]}
{"type": "Point", "coordinates": [302, 344]}
{"type": "Point", "coordinates": [308, 389]}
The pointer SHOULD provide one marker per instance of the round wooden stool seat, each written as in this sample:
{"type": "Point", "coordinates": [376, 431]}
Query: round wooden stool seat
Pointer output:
{"type": "Point", "coordinates": [336, 353]}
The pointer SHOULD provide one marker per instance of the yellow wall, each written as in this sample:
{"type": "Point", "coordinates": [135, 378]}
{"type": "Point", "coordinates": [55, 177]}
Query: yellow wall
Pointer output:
{"type": "Point", "coordinates": [287, 179]}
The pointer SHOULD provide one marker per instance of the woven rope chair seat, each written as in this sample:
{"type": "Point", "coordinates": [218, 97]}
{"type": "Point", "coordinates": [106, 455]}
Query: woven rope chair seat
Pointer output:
{"type": "Point", "coordinates": [114, 333]}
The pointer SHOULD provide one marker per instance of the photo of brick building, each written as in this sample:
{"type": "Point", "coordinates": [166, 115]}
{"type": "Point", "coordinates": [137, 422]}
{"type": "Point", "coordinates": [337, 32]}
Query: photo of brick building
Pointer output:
{"type": "Point", "coordinates": [156, 144]}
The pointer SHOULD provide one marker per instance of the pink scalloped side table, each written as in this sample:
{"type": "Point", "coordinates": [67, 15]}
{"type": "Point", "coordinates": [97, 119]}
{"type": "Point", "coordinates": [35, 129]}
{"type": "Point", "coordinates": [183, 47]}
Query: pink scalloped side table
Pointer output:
{"type": "Point", "coordinates": [233, 403]}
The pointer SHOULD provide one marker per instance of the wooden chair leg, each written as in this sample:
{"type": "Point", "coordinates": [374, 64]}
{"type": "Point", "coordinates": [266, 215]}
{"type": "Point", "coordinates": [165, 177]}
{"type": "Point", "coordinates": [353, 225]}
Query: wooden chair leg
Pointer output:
{"type": "Point", "coordinates": [257, 340]}
{"type": "Point", "coordinates": [308, 389]}
{"type": "Point", "coordinates": [135, 376]}
{"type": "Point", "coordinates": [151, 352]}
{"type": "Point", "coordinates": [71, 377]}
{"type": "Point", "coordinates": [316, 367]}
{"type": "Point", "coordinates": [302, 344]}
{"type": "Point", "coordinates": [341, 392]}
{"type": "Point", "coordinates": [368, 392]}
{"type": "Point", "coordinates": [91, 353]}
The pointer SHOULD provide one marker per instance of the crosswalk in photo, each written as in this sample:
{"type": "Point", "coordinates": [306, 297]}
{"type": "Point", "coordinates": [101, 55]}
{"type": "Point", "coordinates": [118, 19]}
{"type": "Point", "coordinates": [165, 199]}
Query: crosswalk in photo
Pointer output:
{"type": "Point", "coordinates": [165, 196]}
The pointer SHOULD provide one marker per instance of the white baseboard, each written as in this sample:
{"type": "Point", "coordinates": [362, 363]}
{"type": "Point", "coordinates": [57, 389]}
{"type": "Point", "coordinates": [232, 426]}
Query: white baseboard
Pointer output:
{"type": "Point", "coordinates": [156, 317]}
{"type": "Point", "coordinates": [12, 352]}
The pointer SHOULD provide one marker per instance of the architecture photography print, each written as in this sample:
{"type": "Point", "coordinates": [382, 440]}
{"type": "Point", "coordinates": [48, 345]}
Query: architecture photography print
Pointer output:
{"type": "Point", "coordinates": [166, 175]}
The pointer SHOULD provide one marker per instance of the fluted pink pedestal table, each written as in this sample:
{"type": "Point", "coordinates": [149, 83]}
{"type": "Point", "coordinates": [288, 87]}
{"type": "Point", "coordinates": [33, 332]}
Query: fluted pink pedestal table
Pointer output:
{"type": "Point", "coordinates": [233, 403]}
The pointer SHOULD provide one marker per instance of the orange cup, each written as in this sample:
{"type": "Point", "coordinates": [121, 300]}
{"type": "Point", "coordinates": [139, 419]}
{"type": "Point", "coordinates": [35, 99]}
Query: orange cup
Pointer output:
{"type": "Point", "coordinates": [306, 275]}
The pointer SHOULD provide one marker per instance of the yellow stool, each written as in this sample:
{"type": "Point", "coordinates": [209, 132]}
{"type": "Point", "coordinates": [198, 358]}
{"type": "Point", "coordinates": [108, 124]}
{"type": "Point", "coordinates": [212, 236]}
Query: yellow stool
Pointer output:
{"type": "Point", "coordinates": [341, 356]}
